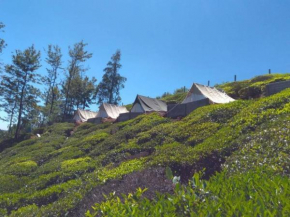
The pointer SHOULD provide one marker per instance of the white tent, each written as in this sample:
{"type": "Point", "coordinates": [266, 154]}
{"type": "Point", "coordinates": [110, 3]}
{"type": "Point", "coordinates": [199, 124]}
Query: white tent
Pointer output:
{"type": "Point", "coordinates": [84, 115]}
{"type": "Point", "coordinates": [199, 92]}
{"type": "Point", "coordinates": [111, 111]}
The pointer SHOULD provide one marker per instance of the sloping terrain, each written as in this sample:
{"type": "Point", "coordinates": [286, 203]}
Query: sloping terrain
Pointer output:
{"type": "Point", "coordinates": [252, 88]}
{"type": "Point", "coordinates": [239, 150]}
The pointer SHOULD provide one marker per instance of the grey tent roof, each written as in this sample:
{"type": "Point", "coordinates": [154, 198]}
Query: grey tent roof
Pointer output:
{"type": "Point", "coordinates": [199, 91]}
{"type": "Point", "coordinates": [150, 104]}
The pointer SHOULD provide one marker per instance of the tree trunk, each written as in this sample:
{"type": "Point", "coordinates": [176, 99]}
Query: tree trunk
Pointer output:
{"type": "Point", "coordinates": [68, 89]}
{"type": "Point", "coordinates": [84, 105]}
{"type": "Point", "coordinates": [53, 95]}
{"type": "Point", "coordinates": [113, 83]}
{"type": "Point", "coordinates": [20, 107]}
{"type": "Point", "coordinates": [12, 112]}
{"type": "Point", "coordinates": [10, 124]}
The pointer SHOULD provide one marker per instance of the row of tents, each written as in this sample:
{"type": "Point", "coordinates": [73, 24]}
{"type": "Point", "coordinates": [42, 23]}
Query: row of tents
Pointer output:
{"type": "Point", "coordinates": [198, 95]}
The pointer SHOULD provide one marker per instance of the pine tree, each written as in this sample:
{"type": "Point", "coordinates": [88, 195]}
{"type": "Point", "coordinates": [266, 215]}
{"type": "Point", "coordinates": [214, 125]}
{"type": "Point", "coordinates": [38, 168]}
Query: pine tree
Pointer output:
{"type": "Point", "coordinates": [54, 60]}
{"type": "Point", "coordinates": [88, 91]}
{"type": "Point", "coordinates": [25, 63]}
{"type": "Point", "coordinates": [2, 46]}
{"type": "Point", "coordinates": [77, 55]}
{"type": "Point", "coordinates": [112, 82]}
{"type": "Point", "coordinates": [2, 41]}
{"type": "Point", "coordinates": [10, 87]}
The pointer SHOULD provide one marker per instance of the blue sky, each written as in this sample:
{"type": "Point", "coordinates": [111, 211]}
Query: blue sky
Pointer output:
{"type": "Point", "coordinates": [165, 44]}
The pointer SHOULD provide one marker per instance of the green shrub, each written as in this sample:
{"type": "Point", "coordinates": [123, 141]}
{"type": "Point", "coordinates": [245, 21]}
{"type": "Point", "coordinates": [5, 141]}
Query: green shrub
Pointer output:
{"type": "Point", "coordinates": [172, 154]}
{"type": "Point", "coordinates": [79, 165]}
{"type": "Point", "coordinates": [40, 130]}
{"type": "Point", "coordinates": [96, 138]}
{"type": "Point", "coordinates": [124, 168]}
{"type": "Point", "coordinates": [23, 168]}
{"type": "Point", "coordinates": [256, 193]}
{"type": "Point", "coordinates": [250, 92]}
{"type": "Point", "coordinates": [252, 88]}
{"type": "Point", "coordinates": [25, 211]}
{"type": "Point", "coordinates": [11, 183]}
{"type": "Point", "coordinates": [61, 128]}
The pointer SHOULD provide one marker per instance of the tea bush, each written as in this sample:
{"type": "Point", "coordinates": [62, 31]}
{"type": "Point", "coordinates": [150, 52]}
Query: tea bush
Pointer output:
{"type": "Point", "coordinates": [22, 168]}
{"type": "Point", "coordinates": [79, 165]}
{"type": "Point", "coordinates": [256, 193]}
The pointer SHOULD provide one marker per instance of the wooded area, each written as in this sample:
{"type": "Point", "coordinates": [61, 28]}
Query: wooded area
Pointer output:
{"type": "Point", "coordinates": [32, 100]}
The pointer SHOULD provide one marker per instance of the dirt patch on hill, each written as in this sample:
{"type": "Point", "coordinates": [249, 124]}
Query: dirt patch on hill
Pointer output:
{"type": "Point", "coordinates": [153, 178]}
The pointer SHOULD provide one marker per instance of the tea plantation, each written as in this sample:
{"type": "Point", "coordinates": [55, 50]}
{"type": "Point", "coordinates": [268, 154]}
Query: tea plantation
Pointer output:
{"type": "Point", "coordinates": [221, 160]}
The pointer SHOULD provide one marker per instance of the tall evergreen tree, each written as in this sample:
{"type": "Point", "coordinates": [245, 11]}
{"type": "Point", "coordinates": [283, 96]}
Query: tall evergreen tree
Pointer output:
{"type": "Point", "coordinates": [112, 82]}
{"type": "Point", "coordinates": [78, 55]}
{"type": "Point", "coordinates": [88, 91]}
{"type": "Point", "coordinates": [10, 87]}
{"type": "Point", "coordinates": [2, 45]}
{"type": "Point", "coordinates": [2, 41]}
{"type": "Point", "coordinates": [25, 63]}
{"type": "Point", "coordinates": [54, 61]}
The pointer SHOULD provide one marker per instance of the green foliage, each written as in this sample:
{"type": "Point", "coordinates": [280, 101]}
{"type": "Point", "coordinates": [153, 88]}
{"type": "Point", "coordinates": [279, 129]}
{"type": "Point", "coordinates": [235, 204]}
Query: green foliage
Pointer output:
{"type": "Point", "coordinates": [86, 128]}
{"type": "Point", "coordinates": [38, 130]}
{"type": "Point", "coordinates": [256, 193]}
{"type": "Point", "coordinates": [177, 96]}
{"type": "Point", "coordinates": [22, 168]}
{"type": "Point", "coordinates": [96, 138]}
{"type": "Point", "coordinates": [10, 183]}
{"type": "Point", "coordinates": [171, 154]}
{"type": "Point", "coordinates": [112, 81]}
{"type": "Point", "coordinates": [122, 169]}
{"type": "Point", "coordinates": [252, 88]}
{"type": "Point", "coordinates": [77, 165]}
{"type": "Point", "coordinates": [78, 91]}
{"type": "Point", "coordinates": [129, 106]}
{"type": "Point", "coordinates": [25, 211]}
{"type": "Point", "coordinates": [61, 128]}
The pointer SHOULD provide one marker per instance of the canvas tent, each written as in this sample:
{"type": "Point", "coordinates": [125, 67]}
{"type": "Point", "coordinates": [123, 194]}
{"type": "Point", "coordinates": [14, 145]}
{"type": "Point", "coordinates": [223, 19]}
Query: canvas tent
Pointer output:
{"type": "Point", "coordinates": [144, 104]}
{"type": "Point", "coordinates": [110, 111]}
{"type": "Point", "coordinates": [198, 92]}
{"type": "Point", "coordinates": [84, 115]}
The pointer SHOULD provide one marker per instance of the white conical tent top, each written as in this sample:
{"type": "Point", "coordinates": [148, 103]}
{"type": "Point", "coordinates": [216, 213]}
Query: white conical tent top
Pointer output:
{"type": "Point", "coordinates": [199, 92]}
{"type": "Point", "coordinates": [84, 115]}
{"type": "Point", "coordinates": [109, 110]}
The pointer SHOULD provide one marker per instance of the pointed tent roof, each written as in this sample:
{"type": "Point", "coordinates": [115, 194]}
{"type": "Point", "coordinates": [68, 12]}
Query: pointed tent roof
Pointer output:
{"type": "Point", "coordinates": [109, 110]}
{"type": "Point", "coordinates": [199, 91]}
{"type": "Point", "coordinates": [84, 115]}
{"type": "Point", "coordinates": [150, 104]}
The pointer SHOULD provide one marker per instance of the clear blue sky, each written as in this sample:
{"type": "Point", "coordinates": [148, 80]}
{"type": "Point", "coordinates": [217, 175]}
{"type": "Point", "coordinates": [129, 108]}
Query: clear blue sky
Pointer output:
{"type": "Point", "coordinates": [165, 44]}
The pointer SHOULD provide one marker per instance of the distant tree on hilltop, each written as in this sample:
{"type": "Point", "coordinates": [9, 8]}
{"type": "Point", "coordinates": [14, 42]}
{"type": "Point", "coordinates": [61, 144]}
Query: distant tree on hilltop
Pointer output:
{"type": "Point", "coordinates": [112, 82]}
{"type": "Point", "coordinates": [78, 55]}
{"type": "Point", "coordinates": [19, 84]}
{"type": "Point", "coordinates": [52, 94]}
{"type": "Point", "coordinates": [2, 41]}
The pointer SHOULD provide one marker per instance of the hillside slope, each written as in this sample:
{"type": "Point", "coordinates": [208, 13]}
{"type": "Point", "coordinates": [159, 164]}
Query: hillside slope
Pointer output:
{"type": "Point", "coordinates": [241, 148]}
{"type": "Point", "coordinates": [252, 88]}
